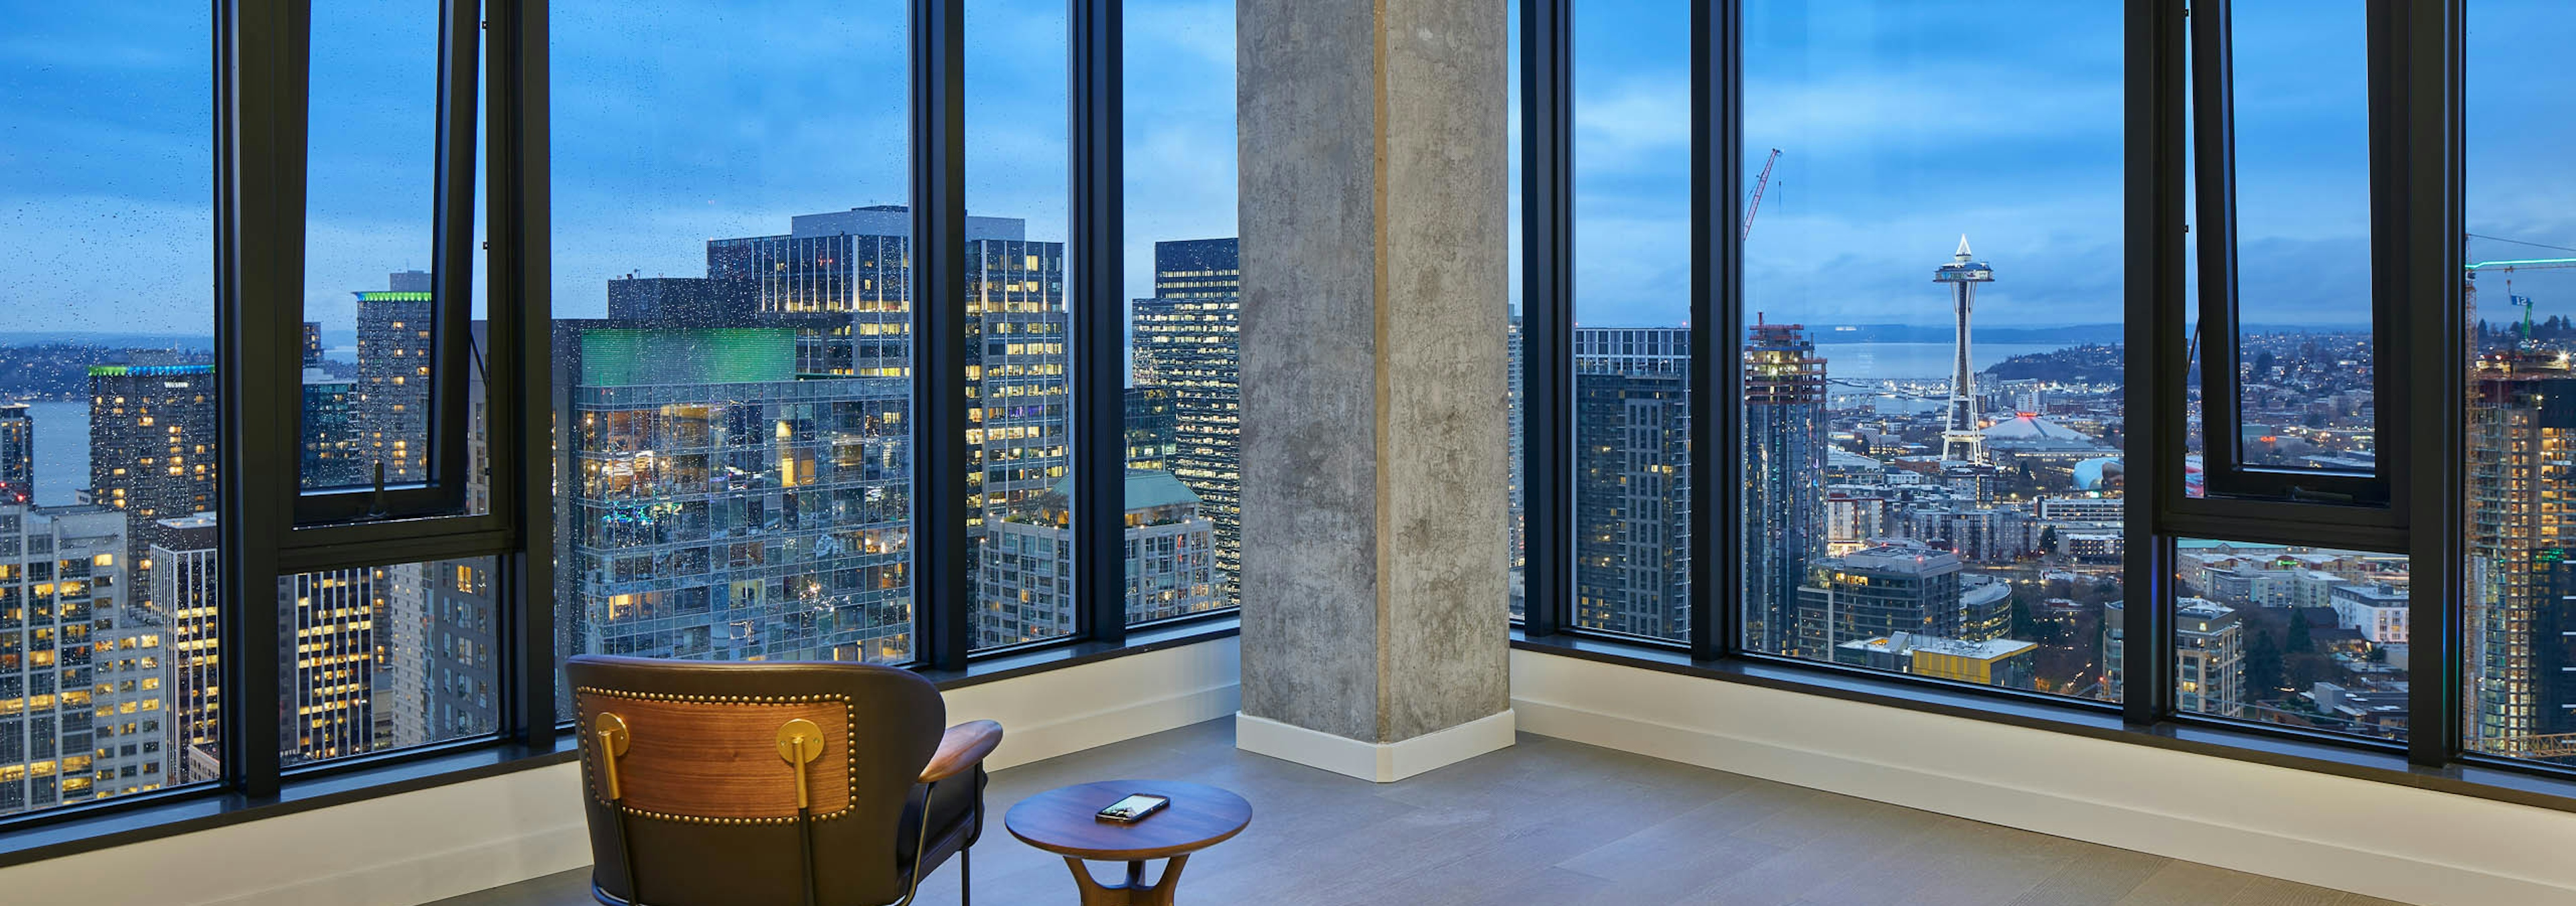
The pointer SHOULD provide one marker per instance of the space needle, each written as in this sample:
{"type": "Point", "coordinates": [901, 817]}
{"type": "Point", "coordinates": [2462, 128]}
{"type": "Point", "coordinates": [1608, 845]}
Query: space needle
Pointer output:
{"type": "Point", "coordinates": [1960, 439]}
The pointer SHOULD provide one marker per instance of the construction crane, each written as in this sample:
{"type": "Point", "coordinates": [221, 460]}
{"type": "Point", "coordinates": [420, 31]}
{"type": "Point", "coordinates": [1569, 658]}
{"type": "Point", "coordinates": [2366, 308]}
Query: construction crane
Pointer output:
{"type": "Point", "coordinates": [2469, 285]}
{"type": "Point", "coordinates": [1755, 206]}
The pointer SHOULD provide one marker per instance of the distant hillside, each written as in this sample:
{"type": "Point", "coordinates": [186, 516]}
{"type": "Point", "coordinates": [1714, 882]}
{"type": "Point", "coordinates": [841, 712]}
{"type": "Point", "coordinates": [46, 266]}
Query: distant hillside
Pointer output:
{"type": "Point", "coordinates": [60, 370]}
{"type": "Point", "coordinates": [2089, 364]}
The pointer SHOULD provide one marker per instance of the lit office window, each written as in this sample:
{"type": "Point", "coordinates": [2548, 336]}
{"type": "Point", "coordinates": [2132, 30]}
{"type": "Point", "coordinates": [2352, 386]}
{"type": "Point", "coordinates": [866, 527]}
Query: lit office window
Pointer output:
{"type": "Point", "coordinates": [732, 345]}
{"type": "Point", "coordinates": [2518, 626]}
{"type": "Point", "coordinates": [1632, 338]}
{"type": "Point", "coordinates": [1933, 409]}
{"type": "Point", "coordinates": [1185, 292]}
{"type": "Point", "coordinates": [1019, 404]}
{"type": "Point", "coordinates": [2306, 637]}
{"type": "Point", "coordinates": [106, 341]}
{"type": "Point", "coordinates": [378, 658]}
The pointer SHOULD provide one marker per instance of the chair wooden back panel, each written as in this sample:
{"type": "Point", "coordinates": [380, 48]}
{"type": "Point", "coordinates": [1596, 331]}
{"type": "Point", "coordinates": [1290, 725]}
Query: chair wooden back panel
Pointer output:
{"type": "Point", "coordinates": [696, 835]}
{"type": "Point", "coordinates": [716, 757]}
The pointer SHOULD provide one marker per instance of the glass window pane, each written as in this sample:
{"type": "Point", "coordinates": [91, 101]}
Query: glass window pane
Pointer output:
{"type": "Point", "coordinates": [107, 448]}
{"type": "Point", "coordinates": [1518, 555]}
{"type": "Point", "coordinates": [1632, 339]}
{"type": "Point", "coordinates": [2303, 254]}
{"type": "Point", "coordinates": [2519, 625]}
{"type": "Point", "coordinates": [369, 295]}
{"type": "Point", "coordinates": [1018, 426]}
{"type": "Point", "coordinates": [1932, 461]}
{"type": "Point", "coordinates": [1183, 535]}
{"type": "Point", "coordinates": [386, 657]}
{"type": "Point", "coordinates": [732, 348]}
{"type": "Point", "coordinates": [2307, 637]}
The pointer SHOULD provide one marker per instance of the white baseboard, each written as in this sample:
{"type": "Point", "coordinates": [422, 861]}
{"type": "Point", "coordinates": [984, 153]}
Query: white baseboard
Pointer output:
{"type": "Point", "coordinates": [455, 839]}
{"type": "Point", "coordinates": [1383, 762]}
{"type": "Point", "coordinates": [2384, 840]}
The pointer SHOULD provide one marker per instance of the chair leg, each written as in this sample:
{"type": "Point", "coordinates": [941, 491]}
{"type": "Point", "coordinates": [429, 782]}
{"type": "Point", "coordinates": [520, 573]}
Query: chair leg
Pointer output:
{"type": "Point", "coordinates": [966, 876]}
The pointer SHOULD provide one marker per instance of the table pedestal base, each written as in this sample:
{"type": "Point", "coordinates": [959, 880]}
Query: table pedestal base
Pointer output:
{"type": "Point", "coordinates": [1131, 892]}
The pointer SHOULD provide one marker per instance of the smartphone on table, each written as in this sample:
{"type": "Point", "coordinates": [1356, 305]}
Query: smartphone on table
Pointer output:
{"type": "Point", "coordinates": [1134, 808]}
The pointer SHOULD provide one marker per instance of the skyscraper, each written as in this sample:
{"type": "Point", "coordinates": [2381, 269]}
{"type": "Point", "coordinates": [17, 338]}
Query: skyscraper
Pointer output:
{"type": "Point", "coordinates": [185, 593]}
{"type": "Point", "coordinates": [331, 621]}
{"type": "Point", "coordinates": [83, 673]}
{"type": "Point", "coordinates": [395, 338]}
{"type": "Point", "coordinates": [1959, 436]}
{"type": "Point", "coordinates": [1784, 465]}
{"type": "Point", "coordinates": [1187, 341]}
{"type": "Point", "coordinates": [718, 506]}
{"type": "Point", "coordinates": [17, 454]}
{"type": "Point", "coordinates": [329, 434]}
{"type": "Point", "coordinates": [151, 448]}
{"type": "Point", "coordinates": [1632, 519]}
{"type": "Point", "coordinates": [2518, 625]}
{"type": "Point", "coordinates": [312, 344]}
{"type": "Point", "coordinates": [1150, 424]}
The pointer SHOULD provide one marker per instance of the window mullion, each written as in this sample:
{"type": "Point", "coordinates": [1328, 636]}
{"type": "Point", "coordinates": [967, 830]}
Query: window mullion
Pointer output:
{"type": "Point", "coordinates": [1547, 306]}
{"type": "Point", "coordinates": [2425, 59]}
{"type": "Point", "coordinates": [1098, 208]}
{"type": "Point", "coordinates": [1717, 310]}
{"type": "Point", "coordinates": [944, 611]}
{"type": "Point", "coordinates": [262, 67]}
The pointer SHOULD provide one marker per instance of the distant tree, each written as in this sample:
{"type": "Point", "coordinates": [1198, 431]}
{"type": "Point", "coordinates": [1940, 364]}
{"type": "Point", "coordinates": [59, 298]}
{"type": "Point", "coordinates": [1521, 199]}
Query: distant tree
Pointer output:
{"type": "Point", "coordinates": [2263, 664]}
{"type": "Point", "coordinates": [2048, 539]}
{"type": "Point", "coordinates": [2299, 638]}
{"type": "Point", "coordinates": [2263, 364]}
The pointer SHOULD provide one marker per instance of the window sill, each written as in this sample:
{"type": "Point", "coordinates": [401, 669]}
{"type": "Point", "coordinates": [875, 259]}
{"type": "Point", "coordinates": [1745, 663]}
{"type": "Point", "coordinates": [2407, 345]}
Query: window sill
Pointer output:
{"type": "Point", "coordinates": [2537, 787]}
{"type": "Point", "coordinates": [107, 823]}
{"type": "Point", "coordinates": [1140, 640]}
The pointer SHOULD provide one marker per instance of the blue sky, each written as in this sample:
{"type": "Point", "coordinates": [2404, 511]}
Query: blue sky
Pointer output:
{"type": "Point", "coordinates": [1903, 124]}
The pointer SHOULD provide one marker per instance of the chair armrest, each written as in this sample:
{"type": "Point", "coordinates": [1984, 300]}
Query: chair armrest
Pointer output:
{"type": "Point", "coordinates": [961, 749]}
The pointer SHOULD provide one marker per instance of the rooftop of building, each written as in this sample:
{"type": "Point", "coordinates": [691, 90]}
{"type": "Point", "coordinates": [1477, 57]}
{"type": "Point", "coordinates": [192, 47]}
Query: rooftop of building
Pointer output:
{"type": "Point", "coordinates": [1903, 557]}
{"type": "Point", "coordinates": [2032, 426]}
{"type": "Point", "coordinates": [1904, 642]}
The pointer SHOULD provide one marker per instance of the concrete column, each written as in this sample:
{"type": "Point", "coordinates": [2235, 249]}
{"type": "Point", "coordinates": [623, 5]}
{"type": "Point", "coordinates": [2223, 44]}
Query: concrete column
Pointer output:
{"type": "Point", "coordinates": [1374, 168]}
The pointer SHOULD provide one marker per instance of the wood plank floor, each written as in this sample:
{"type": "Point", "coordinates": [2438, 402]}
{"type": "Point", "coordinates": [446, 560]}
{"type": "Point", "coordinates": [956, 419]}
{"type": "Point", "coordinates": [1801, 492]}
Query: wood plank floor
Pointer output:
{"type": "Point", "coordinates": [1554, 822]}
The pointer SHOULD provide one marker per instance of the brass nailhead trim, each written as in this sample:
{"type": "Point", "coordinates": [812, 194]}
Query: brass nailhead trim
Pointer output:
{"type": "Point", "coordinates": [850, 731]}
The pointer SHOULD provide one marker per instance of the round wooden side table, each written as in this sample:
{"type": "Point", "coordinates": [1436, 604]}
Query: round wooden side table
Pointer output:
{"type": "Point", "coordinates": [1065, 822]}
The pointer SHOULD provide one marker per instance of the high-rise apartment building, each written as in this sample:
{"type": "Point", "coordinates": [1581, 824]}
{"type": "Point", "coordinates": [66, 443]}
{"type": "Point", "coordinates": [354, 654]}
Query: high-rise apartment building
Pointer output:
{"type": "Point", "coordinates": [1632, 480]}
{"type": "Point", "coordinates": [1026, 583]}
{"type": "Point", "coordinates": [17, 454]}
{"type": "Point", "coordinates": [2209, 658]}
{"type": "Point", "coordinates": [82, 669]}
{"type": "Point", "coordinates": [312, 344]}
{"type": "Point", "coordinates": [396, 334]}
{"type": "Point", "coordinates": [716, 505]}
{"type": "Point", "coordinates": [1187, 340]}
{"type": "Point", "coordinates": [1784, 474]}
{"type": "Point", "coordinates": [2519, 627]}
{"type": "Point", "coordinates": [151, 449]}
{"type": "Point", "coordinates": [1878, 592]}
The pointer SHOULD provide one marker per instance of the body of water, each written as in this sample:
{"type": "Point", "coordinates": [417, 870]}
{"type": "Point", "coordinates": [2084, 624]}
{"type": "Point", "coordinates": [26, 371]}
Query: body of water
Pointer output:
{"type": "Point", "coordinates": [1868, 361]}
{"type": "Point", "coordinates": [62, 451]}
